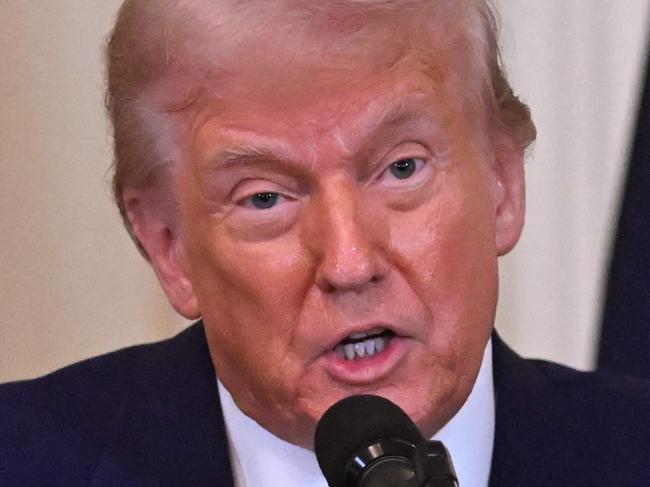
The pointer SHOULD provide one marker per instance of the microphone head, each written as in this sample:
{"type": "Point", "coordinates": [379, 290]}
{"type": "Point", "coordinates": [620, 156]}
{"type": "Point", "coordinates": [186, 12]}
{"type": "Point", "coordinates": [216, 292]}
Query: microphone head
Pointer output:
{"type": "Point", "coordinates": [353, 424]}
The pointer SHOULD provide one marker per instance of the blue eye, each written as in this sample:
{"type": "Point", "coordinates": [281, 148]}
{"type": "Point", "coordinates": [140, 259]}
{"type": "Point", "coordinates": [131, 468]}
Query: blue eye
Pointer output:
{"type": "Point", "coordinates": [404, 168]}
{"type": "Point", "coordinates": [264, 201]}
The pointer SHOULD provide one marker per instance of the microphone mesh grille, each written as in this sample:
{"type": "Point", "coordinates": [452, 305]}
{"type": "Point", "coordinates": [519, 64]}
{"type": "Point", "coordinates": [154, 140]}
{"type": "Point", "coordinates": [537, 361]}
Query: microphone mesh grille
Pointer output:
{"type": "Point", "coordinates": [354, 423]}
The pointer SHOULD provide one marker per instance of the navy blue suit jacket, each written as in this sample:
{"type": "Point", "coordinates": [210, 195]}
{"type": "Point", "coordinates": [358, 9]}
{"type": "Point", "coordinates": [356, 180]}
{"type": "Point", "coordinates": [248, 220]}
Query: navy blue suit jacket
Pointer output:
{"type": "Point", "coordinates": [150, 416]}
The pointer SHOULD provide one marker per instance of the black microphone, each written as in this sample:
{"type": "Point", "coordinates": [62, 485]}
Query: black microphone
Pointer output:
{"type": "Point", "coordinates": [368, 441]}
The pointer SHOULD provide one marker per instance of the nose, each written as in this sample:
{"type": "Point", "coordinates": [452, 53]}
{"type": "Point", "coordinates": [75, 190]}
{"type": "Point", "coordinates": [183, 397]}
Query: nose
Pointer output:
{"type": "Point", "coordinates": [351, 254]}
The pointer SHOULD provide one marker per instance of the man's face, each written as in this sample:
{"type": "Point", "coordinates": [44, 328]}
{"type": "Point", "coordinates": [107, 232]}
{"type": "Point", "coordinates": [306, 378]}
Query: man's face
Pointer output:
{"type": "Point", "coordinates": [340, 237]}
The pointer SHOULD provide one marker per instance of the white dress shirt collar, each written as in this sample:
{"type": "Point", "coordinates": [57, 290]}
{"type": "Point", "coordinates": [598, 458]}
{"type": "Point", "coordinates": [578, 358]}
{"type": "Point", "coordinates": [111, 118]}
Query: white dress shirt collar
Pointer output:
{"type": "Point", "coordinates": [260, 459]}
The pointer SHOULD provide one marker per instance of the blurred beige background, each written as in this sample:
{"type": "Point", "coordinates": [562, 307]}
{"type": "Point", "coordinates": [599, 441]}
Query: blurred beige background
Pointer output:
{"type": "Point", "coordinates": [73, 285]}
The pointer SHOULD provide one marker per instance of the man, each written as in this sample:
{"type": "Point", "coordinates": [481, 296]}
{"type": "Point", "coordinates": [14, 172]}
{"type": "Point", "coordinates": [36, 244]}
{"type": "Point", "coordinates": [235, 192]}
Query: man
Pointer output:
{"type": "Point", "coordinates": [328, 186]}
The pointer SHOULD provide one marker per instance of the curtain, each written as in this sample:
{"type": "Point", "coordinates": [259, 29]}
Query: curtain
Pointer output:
{"type": "Point", "coordinates": [625, 338]}
{"type": "Point", "coordinates": [578, 64]}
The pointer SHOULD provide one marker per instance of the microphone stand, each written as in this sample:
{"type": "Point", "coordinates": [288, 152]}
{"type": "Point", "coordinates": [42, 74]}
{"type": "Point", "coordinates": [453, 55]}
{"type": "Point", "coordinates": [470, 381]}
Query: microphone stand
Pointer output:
{"type": "Point", "coordinates": [433, 466]}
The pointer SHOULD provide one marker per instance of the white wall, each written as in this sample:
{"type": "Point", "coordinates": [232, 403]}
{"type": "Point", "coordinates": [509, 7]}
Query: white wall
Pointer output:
{"type": "Point", "coordinates": [72, 285]}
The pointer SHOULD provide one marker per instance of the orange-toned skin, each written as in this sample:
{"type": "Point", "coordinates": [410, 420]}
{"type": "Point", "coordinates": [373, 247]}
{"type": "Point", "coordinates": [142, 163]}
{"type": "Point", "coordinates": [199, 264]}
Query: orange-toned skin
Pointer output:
{"type": "Point", "coordinates": [347, 247]}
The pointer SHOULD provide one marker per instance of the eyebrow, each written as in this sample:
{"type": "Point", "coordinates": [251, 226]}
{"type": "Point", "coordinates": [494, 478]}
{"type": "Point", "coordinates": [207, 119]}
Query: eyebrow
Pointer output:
{"type": "Point", "coordinates": [399, 114]}
{"type": "Point", "coordinates": [241, 155]}
{"type": "Point", "coordinates": [246, 154]}
{"type": "Point", "coordinates": [390, 116]}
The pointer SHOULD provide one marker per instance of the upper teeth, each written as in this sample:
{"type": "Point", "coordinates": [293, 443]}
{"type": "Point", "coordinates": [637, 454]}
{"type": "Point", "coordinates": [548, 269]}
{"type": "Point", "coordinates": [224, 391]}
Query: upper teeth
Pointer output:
{"type": "Point", "coordinates": [366, 348]}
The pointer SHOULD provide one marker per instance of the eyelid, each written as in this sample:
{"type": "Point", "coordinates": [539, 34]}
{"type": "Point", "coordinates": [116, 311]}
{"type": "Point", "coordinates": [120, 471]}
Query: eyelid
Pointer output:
{"type": "Point", "coordinates": [252, 186]}
{"type": "Point", "coordinates": [246, 202]}
{"type": "Point", "coordinates": [407, 149]}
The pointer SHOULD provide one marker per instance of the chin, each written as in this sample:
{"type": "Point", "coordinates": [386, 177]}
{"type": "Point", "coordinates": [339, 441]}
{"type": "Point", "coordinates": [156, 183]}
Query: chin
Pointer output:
{"type": "Point", "coordinates": [430, 412]}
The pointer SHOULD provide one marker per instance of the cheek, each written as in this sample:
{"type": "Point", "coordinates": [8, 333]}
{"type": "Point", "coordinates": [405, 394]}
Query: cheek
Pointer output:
{"type": "Point", "coordinates": [255, 285]}
{"type": "Point", "coordinates": [250, 299]}
{"type": "Point", "coordinates": [249, 293]}
{"type": "Point", "coordinates": [446, 251]}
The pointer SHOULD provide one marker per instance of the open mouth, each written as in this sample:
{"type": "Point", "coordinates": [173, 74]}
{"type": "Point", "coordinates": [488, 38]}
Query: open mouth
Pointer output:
{"type": "Point", "coordinates": [364, 344]}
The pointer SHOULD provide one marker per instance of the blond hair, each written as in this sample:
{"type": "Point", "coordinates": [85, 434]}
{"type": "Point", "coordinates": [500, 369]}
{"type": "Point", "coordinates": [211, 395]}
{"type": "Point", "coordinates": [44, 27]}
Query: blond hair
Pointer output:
{"type": "Point", "coordinates": [162, 40]}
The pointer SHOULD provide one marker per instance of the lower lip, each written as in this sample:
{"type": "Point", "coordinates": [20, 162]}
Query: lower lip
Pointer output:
{"type": "Point", "coordinates": [366, 370]}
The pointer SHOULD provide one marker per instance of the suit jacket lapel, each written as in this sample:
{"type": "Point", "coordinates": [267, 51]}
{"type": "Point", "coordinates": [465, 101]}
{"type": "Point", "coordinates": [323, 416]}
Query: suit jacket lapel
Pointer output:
{"type": "Point", "coordinates": [551, 425]}
{"type": "Point", "coordinates": [521, 395]}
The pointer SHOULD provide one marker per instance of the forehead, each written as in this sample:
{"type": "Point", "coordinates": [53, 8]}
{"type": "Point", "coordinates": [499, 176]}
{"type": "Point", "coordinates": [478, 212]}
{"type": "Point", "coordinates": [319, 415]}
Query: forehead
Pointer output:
{"type": "Point", "coordinates": [297, 74]}
{"type": "Point", "coordinates": [221, 31]}
{"type": "Point", "coordinates": [319, 106]}
{"type": "Point", "coordinates": [217, 44]}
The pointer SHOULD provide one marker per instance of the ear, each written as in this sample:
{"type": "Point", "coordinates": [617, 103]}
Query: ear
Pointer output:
{"type": "Point", "coordinates": [510, 194]}
{"type": "Point", "coordinates": [154, 219]}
